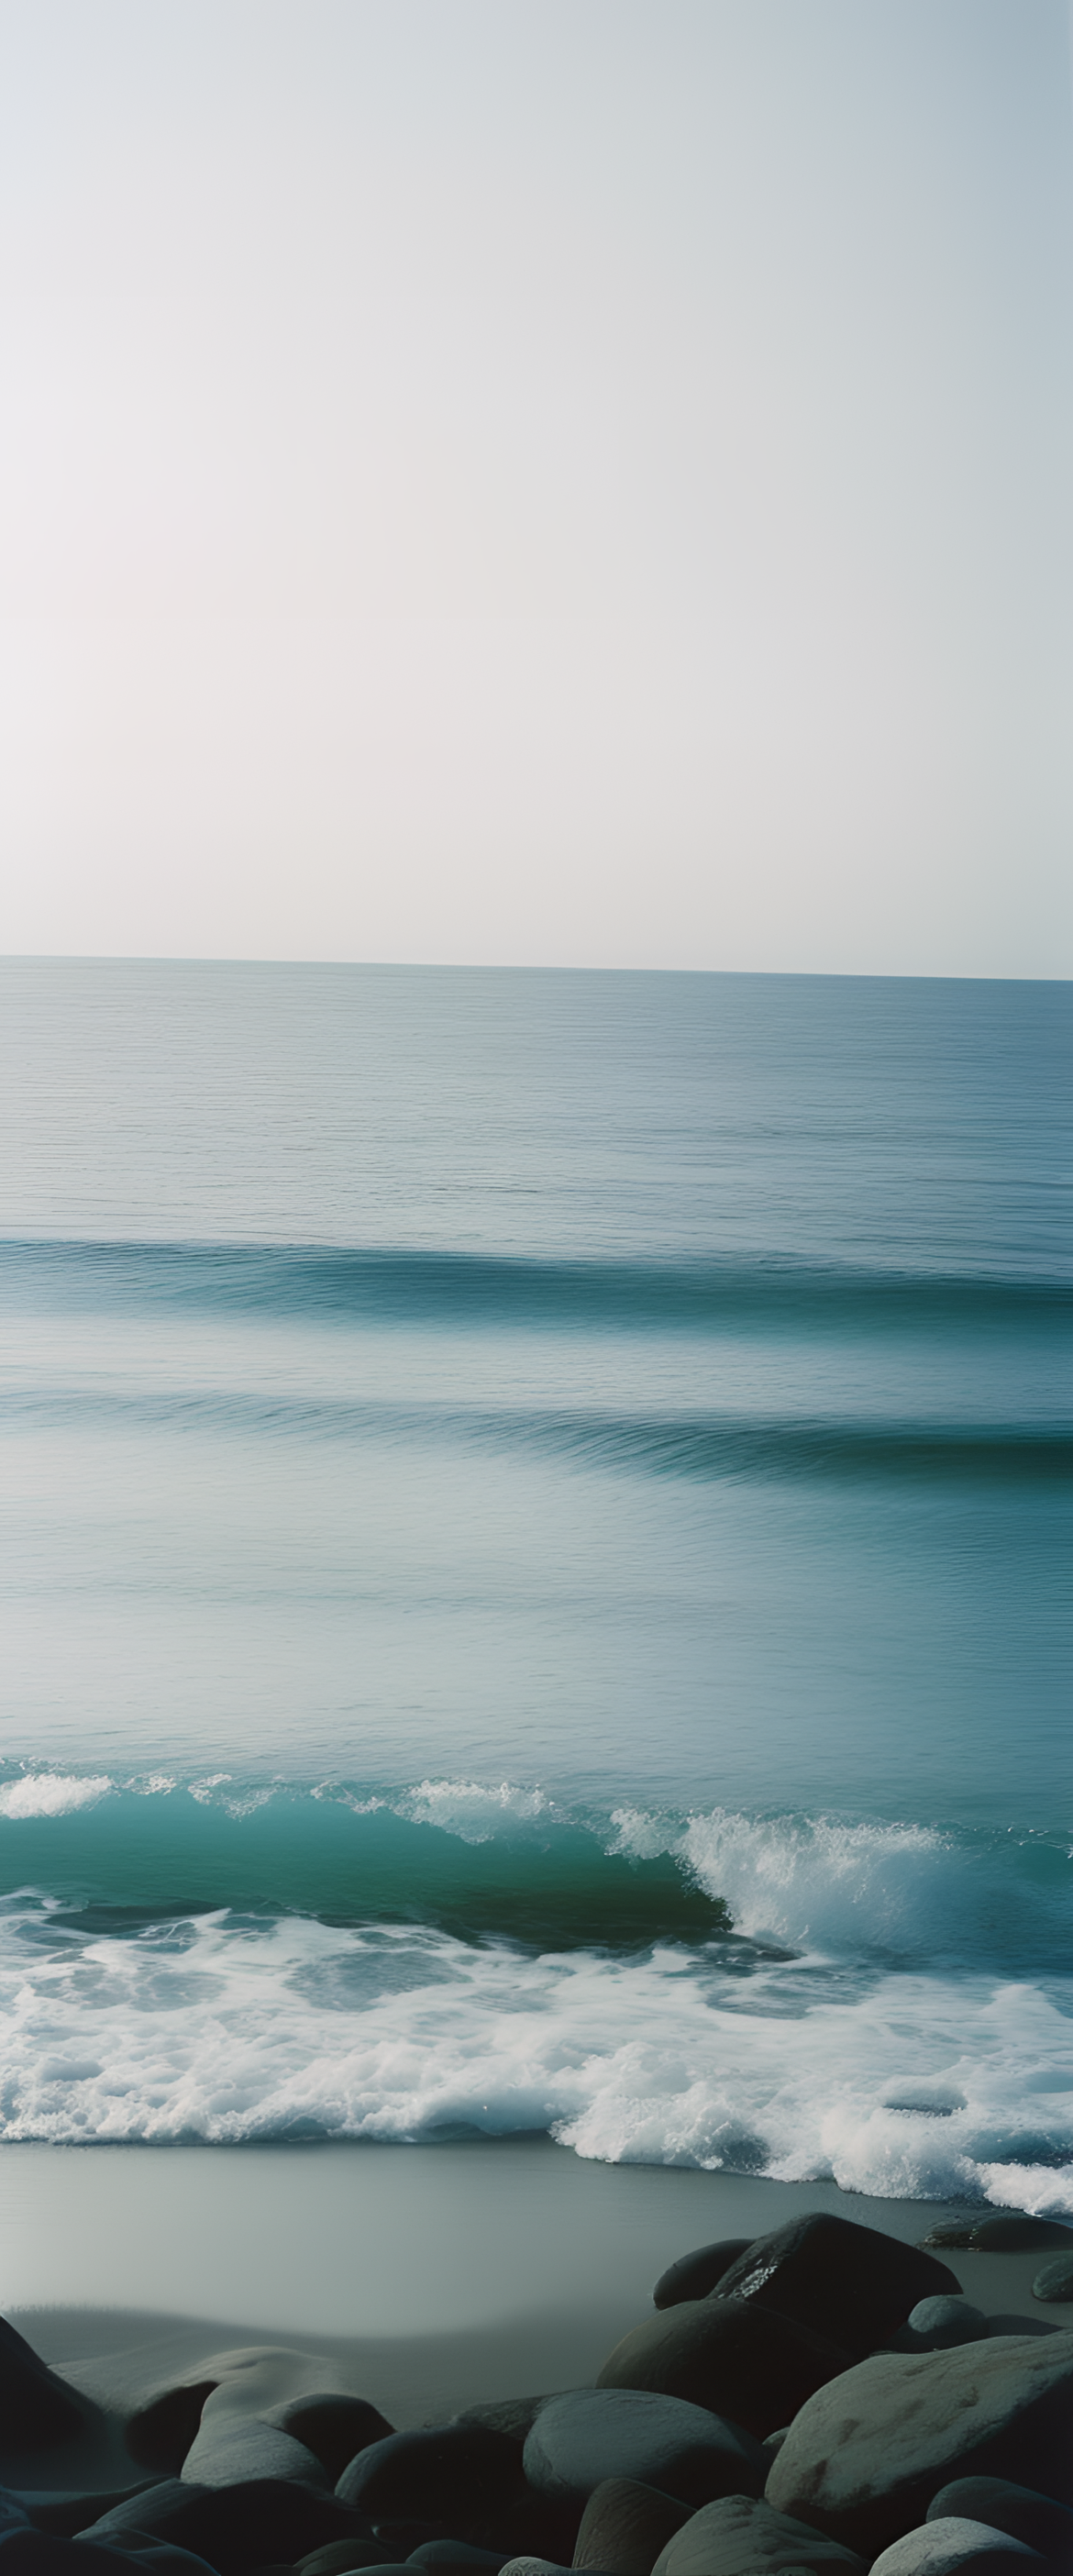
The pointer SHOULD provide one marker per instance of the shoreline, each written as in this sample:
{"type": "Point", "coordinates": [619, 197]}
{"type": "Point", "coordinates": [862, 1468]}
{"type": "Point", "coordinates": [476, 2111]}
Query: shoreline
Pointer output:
{"type": "Point", "coordinates": [428, 2279]}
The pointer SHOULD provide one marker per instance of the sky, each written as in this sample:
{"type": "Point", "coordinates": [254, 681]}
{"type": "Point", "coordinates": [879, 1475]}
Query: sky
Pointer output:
{"type": "Point", "coordinates": [560, 482]}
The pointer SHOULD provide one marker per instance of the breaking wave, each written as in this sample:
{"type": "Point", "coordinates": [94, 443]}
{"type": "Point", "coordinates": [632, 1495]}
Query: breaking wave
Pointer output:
{"type": "Point", "coordinates": [216, 1959]}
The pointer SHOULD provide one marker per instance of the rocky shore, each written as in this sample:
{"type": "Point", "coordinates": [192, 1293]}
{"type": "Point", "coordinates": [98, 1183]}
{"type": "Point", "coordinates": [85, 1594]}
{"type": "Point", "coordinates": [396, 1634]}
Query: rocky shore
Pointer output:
{"type": "Point", "coordinates": [817, 2401]}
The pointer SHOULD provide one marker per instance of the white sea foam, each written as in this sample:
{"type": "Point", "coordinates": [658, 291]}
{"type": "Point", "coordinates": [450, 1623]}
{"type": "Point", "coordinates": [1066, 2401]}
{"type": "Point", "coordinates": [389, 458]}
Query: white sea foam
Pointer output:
{"type": "Point", "coordinates": [904, 2085]}
{"type": "Point", "coordinates": [471, 1810]}
{"type": "Point", "coordinates": [51, 1793]}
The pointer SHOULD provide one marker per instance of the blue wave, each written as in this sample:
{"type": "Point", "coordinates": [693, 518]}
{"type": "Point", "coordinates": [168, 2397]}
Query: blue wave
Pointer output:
{"type": "Point", "coordinates": [707, 1446]}
{"type": "Point", "coordinates": [326, 1284]}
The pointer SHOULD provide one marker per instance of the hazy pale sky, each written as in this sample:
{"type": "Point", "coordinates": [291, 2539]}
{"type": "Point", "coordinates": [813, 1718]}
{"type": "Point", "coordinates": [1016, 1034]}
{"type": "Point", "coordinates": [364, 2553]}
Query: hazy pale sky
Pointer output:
{"type": "Point", "coordinates": [539, 481]}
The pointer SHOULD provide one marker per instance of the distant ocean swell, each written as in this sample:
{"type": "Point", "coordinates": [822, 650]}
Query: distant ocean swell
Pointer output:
{"type": "Point", "coordinates": [770, 1994]}
{"type": "Point", "coordinates": [704, 1445]}
{"type": "Point", "coordinates": [327, 1283]}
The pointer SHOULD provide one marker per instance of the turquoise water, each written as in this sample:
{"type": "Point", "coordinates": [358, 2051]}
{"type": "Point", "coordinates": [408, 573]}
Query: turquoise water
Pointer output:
{"type": "Point", "coordinates": [536, 1539]}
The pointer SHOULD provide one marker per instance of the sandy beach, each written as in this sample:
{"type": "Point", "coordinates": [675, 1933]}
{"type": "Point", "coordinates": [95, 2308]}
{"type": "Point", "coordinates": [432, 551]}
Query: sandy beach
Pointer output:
{"type": "Point", "coordinates": [424, 2280]}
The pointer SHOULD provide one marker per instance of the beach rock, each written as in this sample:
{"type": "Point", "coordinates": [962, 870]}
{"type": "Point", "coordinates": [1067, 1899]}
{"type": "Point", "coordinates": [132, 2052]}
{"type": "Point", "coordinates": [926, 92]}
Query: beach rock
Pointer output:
{"type": "Point", "coordinates": [742, 2537]}
{"type": "Point", "coordinates": [625, 2525]}
{"type": "Point", "coordinates": [1035, 2519]}
{"type": "Point", "coordinates": [865, 2456]}
{"type": "Point", "coordinates": [695, 2275]}
{"type": "Point", "coordinates": [234, 2444]}
{"type": "Point", "coordinates": [433, 2473]}
{"type": "Point", "coordinates": [1056, 2279]}
{"type": "Point", "coordinates": [1015, 2325]}
{"type": "Point", "coordinates": [954, 2544]}
{"type": "Point", "coordinates": [338, 2557]}
{"type": "Point", "coordinates": [400, 2539]}
{"type": "Point", "coordinates": [513, 2415]}
{"type": "Point", "coordinates": [457, 2554]}
{"type": "Point", "coordinates": [526, 2525]}
{"type": "Point", "coordinates": [731, 2355]}
{"type": "Point", "coordinates": [999, 2235]}
{"type": "Point", "coordinates": [334, 2427]}
{"type": "Point", "coordinates": [236, 2528]}
{"type": "Point", "coordinates": [936, 2325]}
{"type": "Point", "coordinates": [533, 2567]}
{"type": "Point", "coordinates": [36, 2409]}
{"type": "Point", "coordinates": [1019, 2235]}
{"type": "Point", "coordinates": [159, 2435]}
{"type": "Point", "coordinates": [41, 2553]}
{"type": "Point", "coordinates": [67, 2511]}
{"type": "Point", "coordinates": [847, 2282]}
{"type": "Point", "coordinates": [580, 2441]}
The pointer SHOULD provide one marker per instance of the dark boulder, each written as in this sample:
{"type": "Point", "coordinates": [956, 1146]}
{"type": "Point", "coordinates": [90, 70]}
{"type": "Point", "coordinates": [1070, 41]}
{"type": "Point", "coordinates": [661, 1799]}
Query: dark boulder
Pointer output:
{"type": "Point", "coordinates": [731, 2355]}
{"type": "Point", "coordinates": [236, 2528]}
{"type": "Point", "coordinates": [849, 2282]}
{"type": "Point", "coordinates": [865, 2456]}
{"type": "Point", "coordinates": [695, 2275]}
{"type": "Point", "coordinates": [581, 2440]}
{"type": "Point", "coordinates": [42, 2553]}
{"type": "Point", "coordinates": [434, 2473]}
{"type": "Point", "coordinates": [340, 2557]}
{"type": "Point", "coordinates": [625, 2525]}
{"type": "Point", "coordinates": [66, 2511]}
{"type": "Point", "coordinates": [1036, 2519]}
{"type": "Point", "coordinates": [741, 2537]}
{"type": "Point", "coordinates": [459, 2556]}
{"type": "Point", "coordinates": [335, 2428]}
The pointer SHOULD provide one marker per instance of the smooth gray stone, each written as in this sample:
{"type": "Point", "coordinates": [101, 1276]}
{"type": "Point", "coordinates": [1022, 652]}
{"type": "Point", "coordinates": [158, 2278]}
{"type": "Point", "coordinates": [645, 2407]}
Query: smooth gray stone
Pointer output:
{"type": "Point", "coordinates": [943, 2548]}
{"type": "Point", "coordinates": [937, 2325]}
{"type": "Point", "coordinates": [162, 2557]}
{"type": "Point", "coordinates": [731, 2355]}
{"type": "Point", "coordinates": [1019, 2235]}
{"type": "Point", "coordinates": [999, 2235]}
{"type": "Point", "coordinates": [848, 2282]}
{"type": "Point", "coordinates": [625, 2525]}
{"type": "Point", "coordinates": [65, 2511]}
{"type": "Point", "coordinates": [580, 2441]}
{"type": "Point", "coordinates": [1021, 2511]}
{"type": "Point", "coordinates": [233, 2445]}
{"type": "Point", "coordinates": [1056, 2279]}
{"type": "Point", "coordinates": [866, 2455]}
{"type": "Point", "coordinates": [513, 2415]}
{"type": "Point", "coordinates": [235, 2527]}
{"type": "Point", "coordinates": [694, 2276]}
{"type": "Point", "coordinates": [533, 2567]}
{"type": "Point", "coordinates": [432, 2473]}
{"type": "Point", "coordinates": [739, 2536]}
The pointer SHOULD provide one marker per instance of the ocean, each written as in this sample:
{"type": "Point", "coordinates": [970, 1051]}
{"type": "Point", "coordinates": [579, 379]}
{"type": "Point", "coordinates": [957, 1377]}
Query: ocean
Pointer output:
{"type": "Point", "coordinates": [535, 1528]}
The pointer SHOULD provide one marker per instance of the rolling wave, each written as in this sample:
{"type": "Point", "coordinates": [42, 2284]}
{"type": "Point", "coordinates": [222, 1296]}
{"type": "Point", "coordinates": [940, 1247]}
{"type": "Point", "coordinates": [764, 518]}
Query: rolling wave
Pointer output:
{"type": "Point", "coordinates": [708, 1445]}
{"type": "Point", "coordinates": [510, 1863]}
{"type": "Point", "coordinates": [325, 1284]}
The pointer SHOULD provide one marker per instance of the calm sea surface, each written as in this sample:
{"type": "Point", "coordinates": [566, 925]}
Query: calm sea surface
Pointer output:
{"type": "Point", "coordinates": [536, 1541]}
